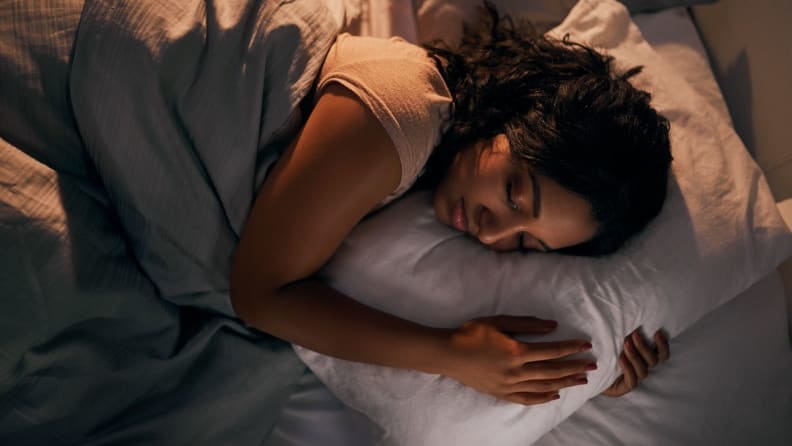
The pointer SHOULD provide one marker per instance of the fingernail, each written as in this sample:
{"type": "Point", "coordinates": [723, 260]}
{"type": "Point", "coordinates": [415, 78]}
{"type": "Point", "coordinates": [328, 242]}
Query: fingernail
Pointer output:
{"type": "Point", "coordinates": [582, 381]}
{"type": "Point", "coordinates": [586, 346]}
{"type": "Point", "coordinates": [555, 397]}
{"type": "Point", "coordinates": [550, 324]}
{"type": "Point", "coordinates": [591, 366]}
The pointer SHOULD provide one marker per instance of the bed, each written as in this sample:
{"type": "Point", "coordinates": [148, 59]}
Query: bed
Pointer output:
{"type": "Point", "coordinates": [727, 381]}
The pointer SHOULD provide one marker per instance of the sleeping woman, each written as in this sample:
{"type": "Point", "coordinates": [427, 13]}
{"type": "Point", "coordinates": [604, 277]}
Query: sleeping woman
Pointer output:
{"type": "Point", "coordinates": [154, 114]}
{"type": "Point", "coordinates": [528, 143]}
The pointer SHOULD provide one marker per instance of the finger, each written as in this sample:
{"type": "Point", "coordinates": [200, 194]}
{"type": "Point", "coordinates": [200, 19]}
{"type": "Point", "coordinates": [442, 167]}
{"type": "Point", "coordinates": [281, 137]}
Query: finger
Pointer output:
{"type": "Point", "coordinates": [554, 369]}
{"type": "Point", "coordinates": [549, 385]}
{"type": "Point", "coordinates": [618, 388]}
{"type": "Point", "coordinates": [636, 361]}
{"type": "Point", "coordinates": [663, 351]}
{"type": "Point", "coordinates": [529, 398]}
{"type": "Point", "coordinates": [630, 379]}
{"type": "Point", "coordinates": [523, 324]}
{"type": "Point", "coordinates": [541, 351]}
{"type": "Point", "coordinates": [648, 354]}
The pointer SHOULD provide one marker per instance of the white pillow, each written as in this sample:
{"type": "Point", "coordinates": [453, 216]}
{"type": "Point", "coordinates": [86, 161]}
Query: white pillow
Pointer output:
{"type": "Point", "coordinates": [718, 233]}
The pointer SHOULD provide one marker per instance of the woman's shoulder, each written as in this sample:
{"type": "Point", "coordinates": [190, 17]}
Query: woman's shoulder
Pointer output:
{"type": "Point", "coordinates": [349, 48]}
{"type": "Point", "coordinates": [402, 87]}
{"type": "Point", "coordinates": [390, 74]}
{"type": "Point", "coordinates": [375, 60]}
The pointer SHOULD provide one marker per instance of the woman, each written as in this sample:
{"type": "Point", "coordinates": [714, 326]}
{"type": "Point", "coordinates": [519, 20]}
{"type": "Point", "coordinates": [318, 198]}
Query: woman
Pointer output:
{"type": "Point", "coordinates": [528, 143]}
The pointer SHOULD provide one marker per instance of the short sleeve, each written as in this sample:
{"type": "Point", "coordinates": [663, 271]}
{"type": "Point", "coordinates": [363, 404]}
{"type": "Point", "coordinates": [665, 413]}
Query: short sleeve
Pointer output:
{"type": "Point", "coordinates": [401, 86]}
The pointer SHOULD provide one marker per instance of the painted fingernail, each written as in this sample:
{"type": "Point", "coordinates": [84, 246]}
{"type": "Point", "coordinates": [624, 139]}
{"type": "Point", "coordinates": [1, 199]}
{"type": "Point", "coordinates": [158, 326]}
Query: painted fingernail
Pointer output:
{"type": "Point", "coordinates": [591, 366]}
{"type": "Point", "coordinates": [586, 346]}
{"type": "Point", "coordinates": [550, 324]}
{"type": "Point", "coordinates": [555, 397]}
{"type": "Point", "coordinates": [582, 381]}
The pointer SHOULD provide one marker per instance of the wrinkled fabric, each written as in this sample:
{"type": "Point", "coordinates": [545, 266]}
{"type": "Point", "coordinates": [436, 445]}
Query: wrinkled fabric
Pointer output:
{"type": "Point", "coordinates": [179, 103]}
{"type": "Point", "coordinates": [91, 354]}
{"type": "Point", "coordinates": [133, 136]}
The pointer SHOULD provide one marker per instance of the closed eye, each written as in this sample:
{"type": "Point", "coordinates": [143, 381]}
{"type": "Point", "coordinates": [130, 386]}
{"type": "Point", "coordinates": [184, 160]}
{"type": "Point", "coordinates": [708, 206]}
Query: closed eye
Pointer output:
{"type": "Point", "coordinates": [514, 207]}
{"type": "Point", "coordinates": [521, 242]}
{"type": "Point", "coordinates": [536, 243]}
{"type": "Point", "coordinates": [509, 197]}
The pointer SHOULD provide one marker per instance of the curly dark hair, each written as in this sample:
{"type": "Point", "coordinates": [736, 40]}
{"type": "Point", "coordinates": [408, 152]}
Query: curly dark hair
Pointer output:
{"type": "Point", "coordinates": [566, 112]}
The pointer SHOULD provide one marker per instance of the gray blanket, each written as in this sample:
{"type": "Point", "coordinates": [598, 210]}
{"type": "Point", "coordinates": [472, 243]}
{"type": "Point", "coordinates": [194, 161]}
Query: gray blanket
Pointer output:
{"type": "Point", "coordinates": [152, 123]}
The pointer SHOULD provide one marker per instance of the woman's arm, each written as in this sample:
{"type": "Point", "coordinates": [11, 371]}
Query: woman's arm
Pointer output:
{"type": "Point", "coordinates": [341, 166]}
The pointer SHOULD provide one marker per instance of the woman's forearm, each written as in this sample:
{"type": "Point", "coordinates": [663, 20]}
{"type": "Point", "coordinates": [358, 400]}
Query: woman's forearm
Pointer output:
{"type": "Point", "coordinates": [313, 315]}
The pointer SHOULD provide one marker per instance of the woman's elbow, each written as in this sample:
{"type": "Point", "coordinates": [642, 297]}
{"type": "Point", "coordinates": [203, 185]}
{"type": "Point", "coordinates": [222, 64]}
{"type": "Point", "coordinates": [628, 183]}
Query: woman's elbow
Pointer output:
{"type": "Point", "coordinates": [240, 300]}
{"type": "Point", "coordinates": [254, 287]}
{"type": "Point", "coordinates": [247, 296]}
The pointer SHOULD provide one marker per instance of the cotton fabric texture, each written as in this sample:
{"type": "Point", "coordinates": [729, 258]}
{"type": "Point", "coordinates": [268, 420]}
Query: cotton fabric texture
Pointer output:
{"type": "Point", "coordinates": [401, 86]}
{"type": "Point", "coordinates": [152, 122]}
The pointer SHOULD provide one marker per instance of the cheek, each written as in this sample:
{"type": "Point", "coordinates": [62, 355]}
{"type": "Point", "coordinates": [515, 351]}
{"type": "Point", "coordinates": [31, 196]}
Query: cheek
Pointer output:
{"type": "Point", "coordinates": [582, 224]}
{"type": "Point", "coordinates": [504, 245]}
{"type": "Point", "coordinates": [573, 231]}
{"type": "Point", "coordinates": [447, 178]}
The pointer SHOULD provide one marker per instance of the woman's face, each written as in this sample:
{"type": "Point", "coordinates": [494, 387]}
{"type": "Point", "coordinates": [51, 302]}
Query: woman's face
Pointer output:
{"type": "Point", "coordinates": [507, 207]}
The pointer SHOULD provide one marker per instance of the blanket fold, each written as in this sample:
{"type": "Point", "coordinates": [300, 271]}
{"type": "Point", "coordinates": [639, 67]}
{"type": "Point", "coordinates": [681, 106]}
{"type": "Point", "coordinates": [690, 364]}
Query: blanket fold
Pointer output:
{"type": "Point", "coordinates": [152, 122]}
{"type": "Point", "coordinates": [178, 103]}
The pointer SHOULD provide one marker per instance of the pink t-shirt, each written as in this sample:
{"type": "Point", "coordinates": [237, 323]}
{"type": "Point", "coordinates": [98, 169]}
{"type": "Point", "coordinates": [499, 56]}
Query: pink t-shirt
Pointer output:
{"type": "Point", "coordinates": [401, 86]}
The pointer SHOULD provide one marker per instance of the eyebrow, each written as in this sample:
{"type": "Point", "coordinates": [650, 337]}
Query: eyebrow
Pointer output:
{"type": "Point", "coordinates": [537, 206]}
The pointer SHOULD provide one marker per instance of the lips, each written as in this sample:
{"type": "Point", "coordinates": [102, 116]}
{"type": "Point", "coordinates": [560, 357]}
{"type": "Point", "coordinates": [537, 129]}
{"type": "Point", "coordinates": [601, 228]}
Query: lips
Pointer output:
{"type": "Point", "coordinates": [458, 216]}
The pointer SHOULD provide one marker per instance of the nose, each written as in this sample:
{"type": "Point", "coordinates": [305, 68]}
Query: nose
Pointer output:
{"type": "Point", "coordinates": [496, 226]}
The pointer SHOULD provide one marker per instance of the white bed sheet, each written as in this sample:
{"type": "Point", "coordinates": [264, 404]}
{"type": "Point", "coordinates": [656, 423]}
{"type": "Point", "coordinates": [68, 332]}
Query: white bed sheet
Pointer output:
{"type": "Point", "coordinates": [727, 382]}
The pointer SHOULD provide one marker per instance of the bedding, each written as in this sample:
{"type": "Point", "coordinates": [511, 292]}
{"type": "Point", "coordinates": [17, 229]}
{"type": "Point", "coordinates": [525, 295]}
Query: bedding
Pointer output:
{"type": "Point", "coordinates": [115, 318]}
{"type": "Point", "coordinates": [92, 355]}
{"type": "Point", "coordinates": [727, 384]}
{"type": "Point", "coordinates": [151, 74]}
{"type": "Point", "coordinates": [702, 395]}
{"type": "Point", "coordinates": [723, 386]}
{"type": "Point", "coordinates": [442, 19]}
{"type": "Point", "coordinates": [720, 222]}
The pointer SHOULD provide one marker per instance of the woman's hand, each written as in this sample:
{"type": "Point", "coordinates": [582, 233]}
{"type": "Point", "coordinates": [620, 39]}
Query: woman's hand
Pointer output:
{"type": "Point", "coordinates": [636, 360]}
{"type": "Point", "coordinates": [486, 358]}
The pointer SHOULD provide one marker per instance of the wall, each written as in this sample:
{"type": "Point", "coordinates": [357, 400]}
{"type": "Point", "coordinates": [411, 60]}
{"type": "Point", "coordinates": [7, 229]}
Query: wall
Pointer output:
{"type": "Point", "coordinates": [750, 47]}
